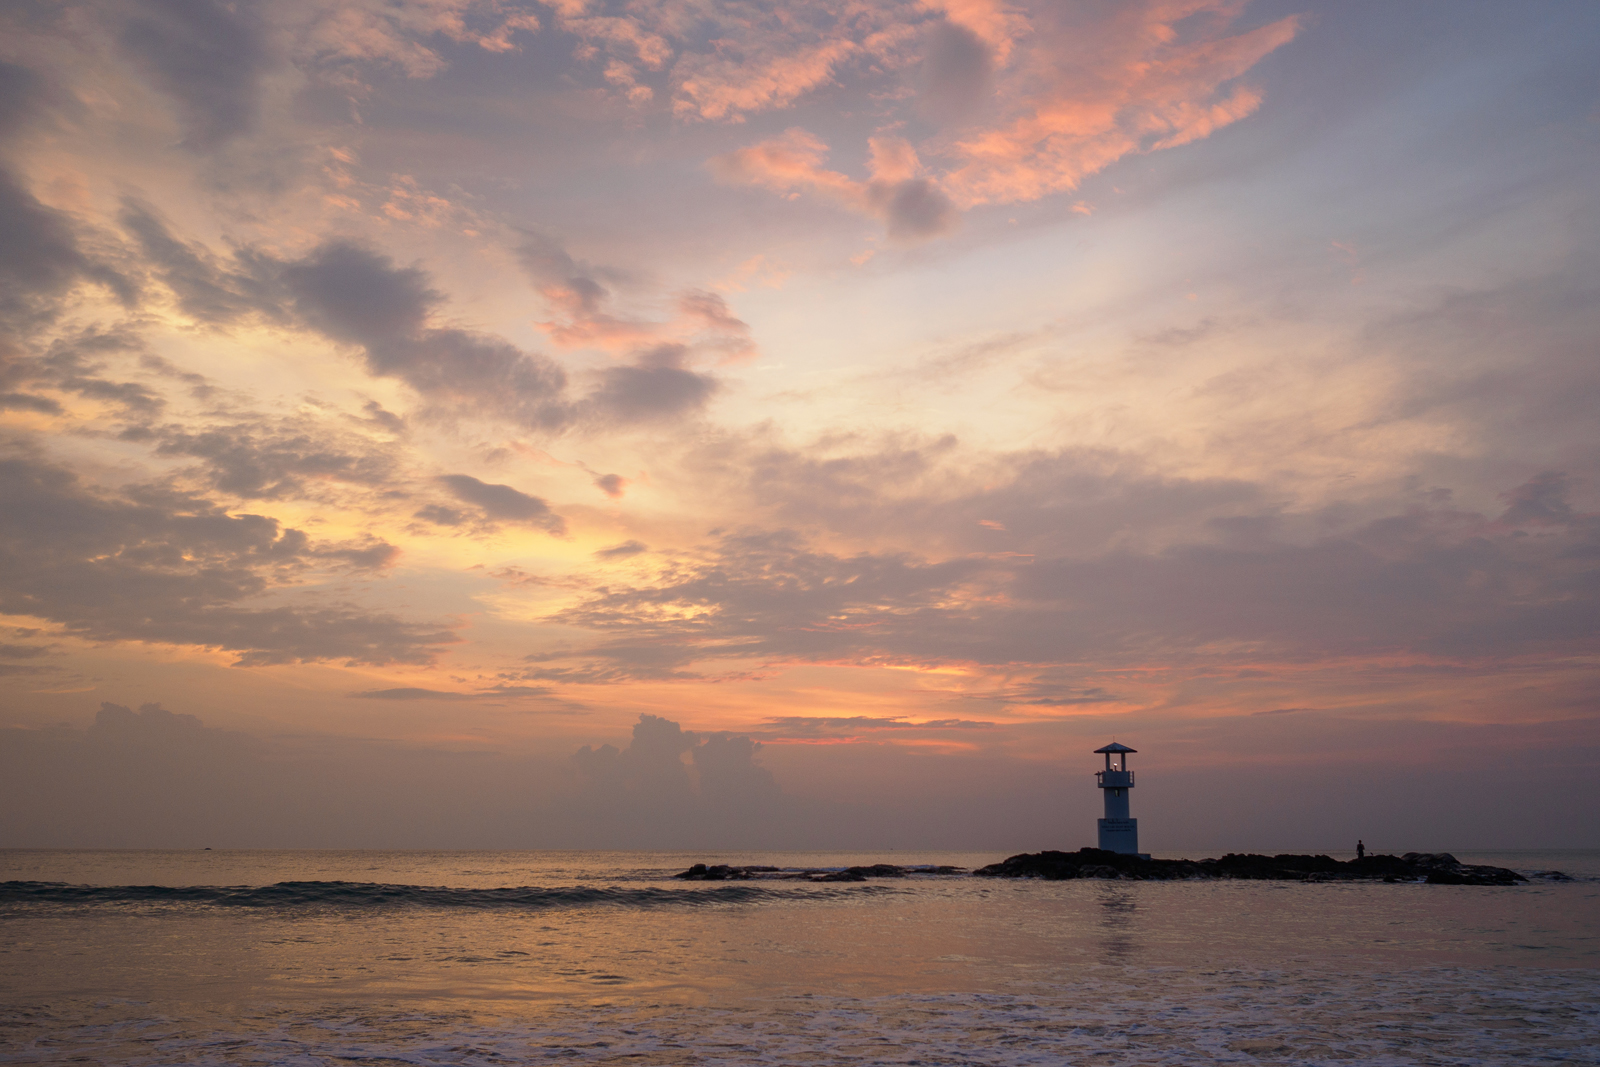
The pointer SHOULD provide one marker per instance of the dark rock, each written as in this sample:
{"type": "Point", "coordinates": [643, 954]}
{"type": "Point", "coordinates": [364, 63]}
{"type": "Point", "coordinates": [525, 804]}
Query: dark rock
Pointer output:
{"type": "Point", "coordinates": [1438, 868]}
{"type": "Point", "coordinates": [721, 872]}
{"type": "Point", "coordinates": [881, 870]}
{"type": "Point", "coordinates": [1431, 859]}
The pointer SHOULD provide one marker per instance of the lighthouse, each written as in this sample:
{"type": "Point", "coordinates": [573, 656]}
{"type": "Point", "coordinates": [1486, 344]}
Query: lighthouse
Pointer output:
{"type": "Point", "coordinates": [1118, 831]}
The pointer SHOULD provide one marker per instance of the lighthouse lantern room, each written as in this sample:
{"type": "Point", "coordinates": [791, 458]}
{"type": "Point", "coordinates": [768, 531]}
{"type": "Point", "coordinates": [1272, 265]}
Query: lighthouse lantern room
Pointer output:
{"type": "Point", "coordinates": [1119, 832]}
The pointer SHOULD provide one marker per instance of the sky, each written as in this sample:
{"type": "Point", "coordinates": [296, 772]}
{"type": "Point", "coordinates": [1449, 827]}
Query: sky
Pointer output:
{"type": "Point", "coordinates": [643, 424]}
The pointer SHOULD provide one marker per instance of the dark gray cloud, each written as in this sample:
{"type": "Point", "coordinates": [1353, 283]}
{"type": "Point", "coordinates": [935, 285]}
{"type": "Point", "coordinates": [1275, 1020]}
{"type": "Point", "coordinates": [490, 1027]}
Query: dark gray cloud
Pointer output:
{"type": "Point", "coordinates": [367, 554]}
{"type": "Point", "coordinates": [577, 288]}
{"type": "Point", "coordinates": [653, 783]}
{"type": "Point", "coordinates": [1542, 501]}
{"type": "Point", "coordinates": [757, 594]}
{"type": "Point", "coordinates": [356, 296]}
{"type": "Point", "coordinates": [208, 288]}
{"type": "Point", "coordinates": [957, 74]}
{"type": "Point", "coordinates": [82, 361]}
{"type": "Point", "coordinates": [416, 693]}
{"type": "Point", "coordinates": [818, 726]}
{"type": "Point", "coordinates": [158, 565]}
{"type": "Point", "coordinates": [11, 670]}
{"type": "Point", "coordinates": [623, 550]}
{"type": "Point", "coordinates": [259, 458]}
{"type": "Point", "coordinates": [659, 382]}
{"type": "Point", "coordinates": [29, 402]}
{"type": "Point", "coordinates": [1051, 692]}
{"type": "Point", "coordinates": [411, 693]}
{"type": "Point", "coordinates": [40, 258]}
{"type": "Point", "coordinates": [117, 722]}
{"type": "Point", "coordinates": [244, 455]}
{"type": "Point", "coordinates": [22, 96]}
{"type": "Point", "coordinates": [914, 209]}
{"type": "Point", "coordinates": [655, 658]}
{"type": "Point", "coordinates": [504, 503]}
{"type": "Point", "coordinates": [209, 57]}
{"type": "Point", "coordinates": [1511, 365]}
{"type": "Point", "coordinates": [1427, 581]}
{"type": "Point", "coordinates": [441, 516]}
{"type": "Point", "coordinates": [1078, 501]}
{"type": "Point", "coordinates": [658, 385]}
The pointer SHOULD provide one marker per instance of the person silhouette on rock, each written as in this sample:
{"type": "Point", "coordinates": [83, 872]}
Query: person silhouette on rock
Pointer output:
{"type": "Point", "coordinates": [1361, 849]}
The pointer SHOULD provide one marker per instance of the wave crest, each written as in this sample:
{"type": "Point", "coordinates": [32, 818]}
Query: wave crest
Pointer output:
{"type": "Point", "coordinates": [379, 895]}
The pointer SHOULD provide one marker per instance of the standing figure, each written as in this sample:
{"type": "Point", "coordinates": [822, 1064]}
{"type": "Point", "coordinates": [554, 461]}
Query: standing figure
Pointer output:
{"type": "Point", "coordinates": [1361, 849]}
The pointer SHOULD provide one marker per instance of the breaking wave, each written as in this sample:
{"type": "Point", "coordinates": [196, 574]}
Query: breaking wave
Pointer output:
{"type": "Point", "coordinates": [380, 895]}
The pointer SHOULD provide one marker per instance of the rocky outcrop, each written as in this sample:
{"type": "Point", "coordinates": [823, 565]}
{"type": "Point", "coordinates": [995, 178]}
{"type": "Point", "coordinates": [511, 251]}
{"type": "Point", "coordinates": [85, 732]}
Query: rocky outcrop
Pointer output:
{"type": "Point", "coordinates": [721, 872]}
{"type": "Point", "coordinates": [1435, 868]}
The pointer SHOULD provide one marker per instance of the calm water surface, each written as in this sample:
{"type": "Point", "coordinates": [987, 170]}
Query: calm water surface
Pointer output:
{"type": "Point", "coordinates": [518, 957]}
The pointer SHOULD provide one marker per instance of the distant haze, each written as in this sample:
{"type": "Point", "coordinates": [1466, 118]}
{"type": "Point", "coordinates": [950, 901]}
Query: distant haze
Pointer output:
{"type": "Point", "coordinates": [507, 424]}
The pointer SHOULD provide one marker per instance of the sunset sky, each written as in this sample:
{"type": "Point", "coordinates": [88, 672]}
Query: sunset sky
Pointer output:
{"type": "Point", "coordinates": [853, 412]}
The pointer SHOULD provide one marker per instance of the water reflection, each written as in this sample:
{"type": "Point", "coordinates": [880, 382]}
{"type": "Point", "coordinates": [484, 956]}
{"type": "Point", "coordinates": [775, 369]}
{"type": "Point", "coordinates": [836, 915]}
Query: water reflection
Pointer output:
{"type": "Point", "coordinates": [1118, 935]}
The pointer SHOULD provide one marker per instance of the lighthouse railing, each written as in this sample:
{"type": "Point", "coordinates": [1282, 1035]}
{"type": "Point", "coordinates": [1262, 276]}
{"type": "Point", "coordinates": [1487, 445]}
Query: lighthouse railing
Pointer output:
{"type": "Point", "coordinates": [1114, 779]}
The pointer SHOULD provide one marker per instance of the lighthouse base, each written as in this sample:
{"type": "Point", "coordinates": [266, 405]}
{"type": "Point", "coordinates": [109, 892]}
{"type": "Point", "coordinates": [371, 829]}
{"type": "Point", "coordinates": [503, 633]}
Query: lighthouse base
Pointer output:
{"type": "Point", "coordinates": [1119, 835]}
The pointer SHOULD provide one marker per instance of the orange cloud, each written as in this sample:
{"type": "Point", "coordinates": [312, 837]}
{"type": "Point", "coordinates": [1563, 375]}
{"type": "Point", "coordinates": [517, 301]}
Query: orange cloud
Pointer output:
{"type": "Point", "coordinates": [393, 31]}
{"type": "Point", "coordinates": [1077, 98]}
{"type": "Point", "coordinates": [721, 88]}
{"type": "Point", "coordinates": [913, 207]}
{"type": "Point", "coordinates": [1081, 102]}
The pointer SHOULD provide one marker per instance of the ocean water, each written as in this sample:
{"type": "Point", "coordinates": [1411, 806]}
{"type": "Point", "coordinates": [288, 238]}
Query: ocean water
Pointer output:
{"type": "Point", "coordinates": [261, 957]}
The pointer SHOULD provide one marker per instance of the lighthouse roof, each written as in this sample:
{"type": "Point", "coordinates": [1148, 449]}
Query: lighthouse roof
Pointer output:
{"type": "Point", "coordinates": [1114, 747]}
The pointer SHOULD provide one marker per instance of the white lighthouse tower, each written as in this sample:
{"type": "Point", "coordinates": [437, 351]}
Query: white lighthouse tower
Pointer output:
{"type": "Point", "coordinates": [1118, 831]}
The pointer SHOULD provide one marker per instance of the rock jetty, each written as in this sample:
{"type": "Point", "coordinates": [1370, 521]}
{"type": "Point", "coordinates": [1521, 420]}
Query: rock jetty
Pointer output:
{"type": "Point", "coordinates": [1434, 868]}
{"type": "Point", "coordinates": [721, 872]}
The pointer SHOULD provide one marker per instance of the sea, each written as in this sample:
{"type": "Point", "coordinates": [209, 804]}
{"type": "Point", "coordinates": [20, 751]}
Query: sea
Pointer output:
{"type": "Point", "coordinates": [131, 957]}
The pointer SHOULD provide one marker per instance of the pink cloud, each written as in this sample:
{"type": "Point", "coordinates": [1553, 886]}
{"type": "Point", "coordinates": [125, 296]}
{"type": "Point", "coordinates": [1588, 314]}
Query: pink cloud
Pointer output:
{"type": "Point", "coordinates": [717, 88]}
{"type": "Point", "coordinates": [913, 207]}
{"type": "Point", "coordinates": [1137, 83]}
{"type": "Point", "coordinates": [581, 298]}
{"type": "Point", "coordinates": [1078, 96]}
{"type": "Point", "coordinates": [393, 32]}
